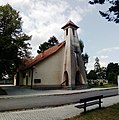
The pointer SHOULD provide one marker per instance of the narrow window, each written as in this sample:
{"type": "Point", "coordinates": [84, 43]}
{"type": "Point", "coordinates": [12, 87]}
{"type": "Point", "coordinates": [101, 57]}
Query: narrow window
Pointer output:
{"type": "Point", "coordinates": [73, 31]}
{"type": "Point", "coordinates": [67, 31]}
{"type": "Point", "coordinates": [24, 74]}
{"type": "Point", "coordinates": [37, 80]}
{"type": "Point", "coordinates": [29, 73]}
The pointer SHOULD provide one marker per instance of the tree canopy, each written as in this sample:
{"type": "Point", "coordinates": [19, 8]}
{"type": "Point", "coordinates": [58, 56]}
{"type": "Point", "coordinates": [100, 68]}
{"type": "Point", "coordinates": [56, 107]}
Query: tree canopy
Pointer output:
{"type": "Point", "coordinates": [81, 45]}
{"type": "Point", "coordinates": [85, 56]}
{"type": "Point", "coordinates": [112, 72]}
{"type": "Point", "coordinates": [44, 46]}
{"type": "Point", "coordinates": [14, 44]}
{"type": "Point", "coordinates": [97, 65]}
{"type": "Point", "coordinates": [98, 70]}
{"type": "Point", "coordinates": [92, 75]}
{"type": "Point", "coordinates": [112, 14]}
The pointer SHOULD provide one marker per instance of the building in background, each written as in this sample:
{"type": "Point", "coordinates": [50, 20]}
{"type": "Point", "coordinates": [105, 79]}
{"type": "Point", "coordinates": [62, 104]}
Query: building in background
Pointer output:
{"type": "Point", "coordinates": [60, 66]}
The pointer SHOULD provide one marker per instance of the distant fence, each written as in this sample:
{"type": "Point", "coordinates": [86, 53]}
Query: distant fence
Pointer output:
{"type": "Point", "coordinates": [98, 81]}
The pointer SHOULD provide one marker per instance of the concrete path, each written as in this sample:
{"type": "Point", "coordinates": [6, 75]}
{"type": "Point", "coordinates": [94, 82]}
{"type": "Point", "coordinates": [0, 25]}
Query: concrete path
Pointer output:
{"type": "Point", "coordinates": [56, 113]}
{"type": "Point", "coordinates": [25, 91]}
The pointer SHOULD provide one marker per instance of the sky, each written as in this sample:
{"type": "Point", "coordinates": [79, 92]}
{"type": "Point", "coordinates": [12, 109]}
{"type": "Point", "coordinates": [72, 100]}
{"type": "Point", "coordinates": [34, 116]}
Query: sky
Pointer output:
{"type": "Point", "coordinates": [44, 18]}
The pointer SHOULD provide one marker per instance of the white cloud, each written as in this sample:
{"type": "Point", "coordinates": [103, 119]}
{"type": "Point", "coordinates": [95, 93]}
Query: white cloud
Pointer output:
{"type": "Point", "coordinates": [103, 64]}
{"type": "Point", "coordinates": [106, 50]}
{"type": "Point", "coordinates": [44, 18]}
{"type": "Point", "coordinates": [104, 57]}
{"type": "Point", "coordinates": [90, 66]}
{"type": "Point", "coordinates": [100, 57]}
{"type": "Point", "coordinates": [103, 60]}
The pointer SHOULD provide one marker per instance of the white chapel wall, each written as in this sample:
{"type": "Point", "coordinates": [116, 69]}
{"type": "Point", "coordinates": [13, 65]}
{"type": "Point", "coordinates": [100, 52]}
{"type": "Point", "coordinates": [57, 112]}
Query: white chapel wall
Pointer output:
{"type": "Point", "coordinates": [50, 69]}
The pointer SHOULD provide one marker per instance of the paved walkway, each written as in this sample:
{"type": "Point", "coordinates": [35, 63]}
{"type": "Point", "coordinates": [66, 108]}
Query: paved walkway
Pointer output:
{"type": "Point", "coordinates": [25, 91]}
{"type": "Point", "coordinates": [56, 113]}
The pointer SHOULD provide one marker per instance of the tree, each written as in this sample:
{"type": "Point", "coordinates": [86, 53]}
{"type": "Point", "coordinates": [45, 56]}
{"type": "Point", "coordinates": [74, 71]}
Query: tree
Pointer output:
{"type": "Point", "coordinates": [112, 78]}
{"type": "Point", "coordinates": [103, 72]}
{"type": "Point", "coordinates": [81, 45]}
{"type": "Point", "coordinates": [112, 14]}
{"type": "Point", "coordinates": [92, 75]}
{"type": "Point", "coordinates": [52, 41]}
{"type": "Point", "coordinates": [112, 72]}
{"type": "Point", "coordinates": [14, 44]}
{"type": "Point", "coordinates": [85, 56]}
{"type": "Point", "coordinates": [44, 46]}
{"type": "Point", "coordinates": [100, 71]}
{"type": "Point", "coordinates": [97, 67]}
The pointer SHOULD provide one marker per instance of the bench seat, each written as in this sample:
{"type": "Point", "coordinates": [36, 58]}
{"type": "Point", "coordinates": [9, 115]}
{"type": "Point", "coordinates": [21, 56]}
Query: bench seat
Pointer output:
{"type": "Point", "coordinates": [89, 101]}
{"type": "Point", "coordinates": [89, 104]}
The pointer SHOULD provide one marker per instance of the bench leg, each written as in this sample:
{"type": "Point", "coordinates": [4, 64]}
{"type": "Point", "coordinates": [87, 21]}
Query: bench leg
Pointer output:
{"type": "Point", "coordinates": [99, 103]}
{"type": "Point", "coordinates": [84, 107]}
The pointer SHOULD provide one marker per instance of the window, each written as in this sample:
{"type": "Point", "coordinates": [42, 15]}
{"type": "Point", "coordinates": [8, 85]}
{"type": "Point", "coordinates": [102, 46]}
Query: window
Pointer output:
{"type": "Point", "coordinates": [67, 31]}
{"type": "Point", "coordinates": [29, 73]}
{"type": "Point", "coordinates": [24, 74]}
{"type": "Point", "coordinates": [73, 31]}
{"type": "Point", "coordinates": [37, 80]}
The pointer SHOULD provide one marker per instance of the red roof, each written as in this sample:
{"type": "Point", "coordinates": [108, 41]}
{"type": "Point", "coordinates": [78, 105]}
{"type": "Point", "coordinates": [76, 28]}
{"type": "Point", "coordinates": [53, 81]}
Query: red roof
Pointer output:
{"type": "Point", "coordinates": [70, 23]}
{"type": "Point", "coordinates": [44, 55]}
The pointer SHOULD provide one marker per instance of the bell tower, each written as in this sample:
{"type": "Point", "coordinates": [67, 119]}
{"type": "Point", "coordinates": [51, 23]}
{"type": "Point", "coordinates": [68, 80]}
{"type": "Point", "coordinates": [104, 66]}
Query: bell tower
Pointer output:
{"type": "Point", "coordinates": [73, 66]}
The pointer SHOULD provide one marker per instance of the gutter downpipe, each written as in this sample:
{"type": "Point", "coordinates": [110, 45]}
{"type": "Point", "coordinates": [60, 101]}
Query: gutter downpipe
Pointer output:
{"type": "Point", "coordinates": [32, 76]}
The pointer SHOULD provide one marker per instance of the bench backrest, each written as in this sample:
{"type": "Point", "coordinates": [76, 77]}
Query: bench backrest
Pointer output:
{"type": "Point", "coordinates": [90, 98]}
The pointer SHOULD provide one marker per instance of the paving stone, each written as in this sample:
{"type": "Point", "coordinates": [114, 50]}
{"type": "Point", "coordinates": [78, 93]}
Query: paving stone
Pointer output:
{"type": "Point", "coordinates": [56, 113]}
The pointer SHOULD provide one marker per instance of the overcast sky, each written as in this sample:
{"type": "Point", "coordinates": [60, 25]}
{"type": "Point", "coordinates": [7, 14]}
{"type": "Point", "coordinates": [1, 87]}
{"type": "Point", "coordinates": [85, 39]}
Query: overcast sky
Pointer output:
{"type": "Point", "coordinates": [44, 18]}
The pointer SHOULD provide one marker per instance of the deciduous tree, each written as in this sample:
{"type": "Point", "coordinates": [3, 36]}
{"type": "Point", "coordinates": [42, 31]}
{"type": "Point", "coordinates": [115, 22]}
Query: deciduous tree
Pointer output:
{"type": "Point", "coordinates": [44, 46]}
{"type": "Point", "coordinates": [85, 56]}
{"type": "Point", "coordinates": [92, 75]}
{"type": "Point", "coordinates": [112, 14]}
{"type": "Point", "coordinates": [14, 44]}
{"type": "Point", "coordinates": [112, 72]}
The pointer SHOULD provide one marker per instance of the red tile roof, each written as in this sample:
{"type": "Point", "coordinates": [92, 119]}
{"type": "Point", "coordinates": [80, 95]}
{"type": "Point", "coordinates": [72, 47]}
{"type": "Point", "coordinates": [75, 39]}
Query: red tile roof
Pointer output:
{"type": "Point", "coordinates": [44, 55]}
{"type": "Point", "coordinates": [70, 23]}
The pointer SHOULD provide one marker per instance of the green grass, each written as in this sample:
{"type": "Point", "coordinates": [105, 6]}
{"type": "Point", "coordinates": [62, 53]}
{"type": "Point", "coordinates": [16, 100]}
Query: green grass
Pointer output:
{"type": "Point", "coordinates": [108, 113]}
{"type": "Point", "coordinates": [104, 86]}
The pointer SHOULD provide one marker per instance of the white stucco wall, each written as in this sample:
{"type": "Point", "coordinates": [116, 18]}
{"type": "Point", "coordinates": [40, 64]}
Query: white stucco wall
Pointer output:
{"type": "Point", "coordinates": [50, 69]}
{"type": "Point", "coordinates": [23, 78]}
{"type": "Point", "coordinates": [20, 78]}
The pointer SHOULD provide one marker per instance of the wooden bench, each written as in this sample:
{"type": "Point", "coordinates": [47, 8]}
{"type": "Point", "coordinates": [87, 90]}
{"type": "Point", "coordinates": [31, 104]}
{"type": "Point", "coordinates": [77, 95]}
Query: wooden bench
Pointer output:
{"type": "Point", "coordinates": [89, 101]}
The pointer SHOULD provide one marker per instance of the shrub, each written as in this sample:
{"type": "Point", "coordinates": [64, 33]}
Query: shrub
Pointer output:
{"type": "Point", "coordinates": [101, 83]}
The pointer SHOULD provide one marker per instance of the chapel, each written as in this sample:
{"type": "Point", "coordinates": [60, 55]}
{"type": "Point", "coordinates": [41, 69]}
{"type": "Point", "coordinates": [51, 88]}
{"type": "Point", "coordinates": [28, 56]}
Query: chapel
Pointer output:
{"type": "Point", "coordinates": [60, 66]}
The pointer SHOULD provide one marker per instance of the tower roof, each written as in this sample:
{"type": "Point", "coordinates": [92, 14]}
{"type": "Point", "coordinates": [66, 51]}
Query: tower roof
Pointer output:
{"type": "Point", "coordinates": [70, 23]}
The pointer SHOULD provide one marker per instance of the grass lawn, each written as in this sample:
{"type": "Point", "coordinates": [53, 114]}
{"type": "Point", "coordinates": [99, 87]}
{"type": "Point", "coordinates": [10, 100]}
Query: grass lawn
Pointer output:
{"type": "Point", "coordinates": [103, 86]}
{"type": "Point", "coordinates": [108, 113]}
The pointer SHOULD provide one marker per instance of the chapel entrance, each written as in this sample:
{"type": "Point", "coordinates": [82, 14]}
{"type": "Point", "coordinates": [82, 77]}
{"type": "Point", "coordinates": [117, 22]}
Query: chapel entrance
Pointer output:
{"type": "Point", "coordinates": [77, 78]}
{"type": "Point", "coordinates": [66, 78]}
